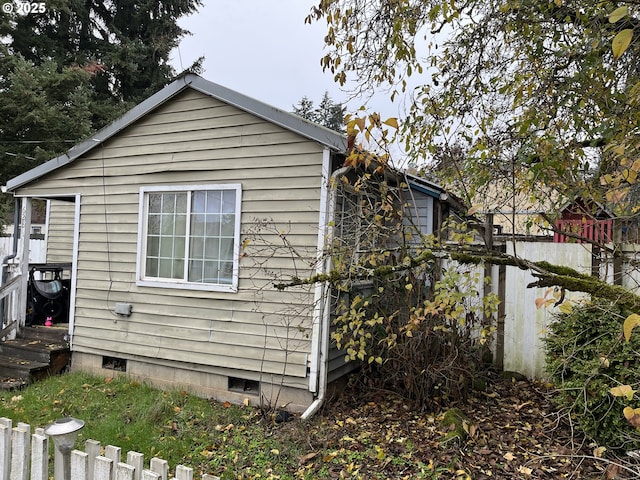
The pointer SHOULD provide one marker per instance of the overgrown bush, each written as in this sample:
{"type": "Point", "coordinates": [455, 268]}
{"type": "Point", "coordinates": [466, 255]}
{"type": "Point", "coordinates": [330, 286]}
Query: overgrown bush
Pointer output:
{"type": "Point", "coordinates": [424, 341]}
{"type": "Point", "coordinates": [587, 355]}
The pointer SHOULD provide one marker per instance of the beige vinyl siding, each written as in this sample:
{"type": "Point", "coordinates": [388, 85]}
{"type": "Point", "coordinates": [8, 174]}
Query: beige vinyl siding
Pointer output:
{"type": "Point", "coordinates": [195, 140]}
{"type": "Point", "coordinates": [60, 232]}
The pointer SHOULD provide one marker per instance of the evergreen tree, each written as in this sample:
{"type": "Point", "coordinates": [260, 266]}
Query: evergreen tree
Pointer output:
{"type": "Point", "coordinates": [328, 114]}
{"type": "Point", "coordinates": [74, 68]}
{"type": "Point", "coordinates": [126, 43]}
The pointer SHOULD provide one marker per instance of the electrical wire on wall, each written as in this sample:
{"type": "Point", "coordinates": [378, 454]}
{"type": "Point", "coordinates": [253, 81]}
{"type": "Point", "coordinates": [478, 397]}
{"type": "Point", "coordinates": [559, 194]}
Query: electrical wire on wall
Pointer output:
{"type": "Point", "coordinates": [106, 231]}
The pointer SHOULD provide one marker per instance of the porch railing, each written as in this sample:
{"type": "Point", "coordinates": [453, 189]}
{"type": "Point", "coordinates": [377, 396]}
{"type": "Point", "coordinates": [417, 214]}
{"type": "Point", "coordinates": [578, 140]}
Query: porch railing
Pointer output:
{"type": "Point", "coordinates": [25, 456]}
{"type": "Point", "coordinates": [582, 231]}
{"type": "Point", "coordinates": [7, 292]}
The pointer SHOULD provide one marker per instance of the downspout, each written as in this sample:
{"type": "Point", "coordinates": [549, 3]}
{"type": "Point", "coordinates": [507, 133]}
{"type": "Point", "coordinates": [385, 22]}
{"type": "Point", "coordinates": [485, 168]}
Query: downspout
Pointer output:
{"type": "Point", "coordinates": [12, 255]}
{"type": "Point", "coordinates": [326, 311]}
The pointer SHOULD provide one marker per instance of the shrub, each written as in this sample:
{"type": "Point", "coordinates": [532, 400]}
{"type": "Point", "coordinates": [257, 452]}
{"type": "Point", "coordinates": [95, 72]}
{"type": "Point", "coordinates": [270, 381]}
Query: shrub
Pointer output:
{"type": "Point", "coordinates": [427, 343]}
{"type": "Point", "coordinates": [586, 356]}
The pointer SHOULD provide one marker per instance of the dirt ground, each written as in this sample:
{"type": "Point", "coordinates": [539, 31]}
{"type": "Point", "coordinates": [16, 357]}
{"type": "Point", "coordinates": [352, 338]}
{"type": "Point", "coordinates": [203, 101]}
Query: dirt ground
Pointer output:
{"type": "Point", "coordinates": [514, 433]}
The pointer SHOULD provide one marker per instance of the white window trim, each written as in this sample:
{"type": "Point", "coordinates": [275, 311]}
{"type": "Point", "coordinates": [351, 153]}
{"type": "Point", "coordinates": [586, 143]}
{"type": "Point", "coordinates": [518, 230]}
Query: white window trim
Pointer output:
{"type": "Point", "coordinates": [142, 239]}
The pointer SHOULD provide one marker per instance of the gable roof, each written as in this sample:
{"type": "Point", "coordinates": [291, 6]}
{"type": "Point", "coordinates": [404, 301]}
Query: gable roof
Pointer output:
{"type": "Point", "coordinates": [289, 121]}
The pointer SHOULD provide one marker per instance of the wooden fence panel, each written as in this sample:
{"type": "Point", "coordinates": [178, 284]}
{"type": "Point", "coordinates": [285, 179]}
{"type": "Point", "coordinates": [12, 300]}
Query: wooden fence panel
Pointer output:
{"type": "Point", "coordinates": [26, 457]}
{"type": "Point", "coordinates": [150, 475]}
{"type": "Point", "coordinates": [103, 469]}
{"type": "Point", "coordinates": [5, 448]}
{"type": "Point", "coordinates": [19, 454]}
{"type": "Point", "coordinates": [124, 471]}
{"type": "Point", "coordinates": [39, 457]}
{"type": "Point", "coordinates": [136, 460]}
{"type": "Point", "coordinates": [79, 465]}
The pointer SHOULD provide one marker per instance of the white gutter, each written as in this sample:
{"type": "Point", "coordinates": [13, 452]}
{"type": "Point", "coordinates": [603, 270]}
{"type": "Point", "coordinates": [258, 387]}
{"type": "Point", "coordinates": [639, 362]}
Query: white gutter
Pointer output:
{"type": "Point", "coordinates": [320, 361]}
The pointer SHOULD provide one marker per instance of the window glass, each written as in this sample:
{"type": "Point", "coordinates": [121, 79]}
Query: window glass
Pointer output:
{"type": "Point", "coordinates": [191, 235]}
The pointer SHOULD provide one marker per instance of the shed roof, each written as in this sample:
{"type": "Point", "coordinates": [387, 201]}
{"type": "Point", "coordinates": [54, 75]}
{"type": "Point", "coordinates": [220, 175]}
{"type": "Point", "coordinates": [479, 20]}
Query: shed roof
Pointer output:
{"type": "Point", "coordinates": [289, 121]}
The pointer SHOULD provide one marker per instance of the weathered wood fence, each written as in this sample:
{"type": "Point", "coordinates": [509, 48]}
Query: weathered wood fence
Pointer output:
{"type": "Point", "coordinates": [25, 456]}
{"type": "Point", "coordinates": [37, 248]}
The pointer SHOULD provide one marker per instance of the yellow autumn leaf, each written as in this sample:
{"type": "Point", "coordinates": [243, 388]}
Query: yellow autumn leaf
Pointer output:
{"type": "Point", "coordinates": [566, 308]}
{"type": "Point", "coordinates": [633, 416]}
{"type": "Point", "coordinates": [618, 14]}
{"type": "Point", "coordinates": [623, 391]}
{"type": "Point", "coordinates": [631, 322]}
{"type": "Point", "coordinates": [621, 42]}
{"type": "Point", "coordinates": [392, 122]}
{"type": "Point", "coordinates": [598, 452]}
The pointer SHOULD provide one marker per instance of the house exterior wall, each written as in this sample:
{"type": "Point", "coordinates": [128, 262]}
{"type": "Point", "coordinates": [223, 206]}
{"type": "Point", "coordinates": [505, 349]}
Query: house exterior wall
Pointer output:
{"type": "Point", "coordinates": [256, 333]}
{"type": "Point", "coordinates": [59, 234]}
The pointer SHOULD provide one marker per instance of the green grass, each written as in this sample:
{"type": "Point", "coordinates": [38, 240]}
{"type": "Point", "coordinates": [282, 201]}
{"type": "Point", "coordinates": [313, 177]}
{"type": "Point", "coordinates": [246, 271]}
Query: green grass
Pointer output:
{"type": "Point", "coordinates": [230, 441]}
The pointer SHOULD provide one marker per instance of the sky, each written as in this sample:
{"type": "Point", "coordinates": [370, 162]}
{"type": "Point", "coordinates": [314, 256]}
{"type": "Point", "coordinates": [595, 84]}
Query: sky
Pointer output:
{"type": "Point", "coordinates": [265, 50]}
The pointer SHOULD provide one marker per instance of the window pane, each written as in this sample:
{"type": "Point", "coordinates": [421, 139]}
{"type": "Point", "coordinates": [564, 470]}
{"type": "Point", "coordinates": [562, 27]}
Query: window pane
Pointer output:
{"type": "Point", "coordinates": [165, 268]}
{"type": "Point", "coordinates": [226, 272]}
{"type": "Point", "coordinates": [178, 247]}
{"type": "Point", "coordinates": [155, 202]}
{"type": "Point", "coordinates": [181, 203]}
{"type": "Point", "coordinates": [228, 225]}
{"type": "Point", "coordinates": [166, 247]}
{"type": "Point", "coordinates": [195, 271]}
{"type": "Point", "coordinates": [196, 247]}
{"type": "Point", "coordinates": [152, 267]}
{"type": "Point", "coordinates": [213, 225]}
{"type": "Point", "coordinates": [211, 272]}
{"type": "Point", "coordinates": [226, 249]}
{"type": "Point", "coordinates": [153, 246]}
{"type": "Point", "coordinates": [197, 224]}
{"type": "Point", "coordinates": [228, 201]}
{"type": "Point", "coordinates": [213, 201]}
{"type": "Point", "coordinates": [212, 248]}
{"type": "Point", "coordinates": [168, 203]}
{"type": "Point", "coordinates": [178, 268]}
{"type": "Point", "coordinates": [166, 224]}
{"type": "Point", "coordinates": [153, 226]}
{"type": "Point", "coordinates": [198, 202]}
{"type": "Point", "coordinates": [181, 224]}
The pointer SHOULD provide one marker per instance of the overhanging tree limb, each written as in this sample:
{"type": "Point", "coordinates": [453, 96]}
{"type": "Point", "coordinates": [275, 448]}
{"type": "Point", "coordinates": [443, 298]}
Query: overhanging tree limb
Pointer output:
{"type": "Point", "coordinates": [547, 274]}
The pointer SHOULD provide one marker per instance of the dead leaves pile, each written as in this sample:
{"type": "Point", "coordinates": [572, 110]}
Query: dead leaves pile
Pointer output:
{"type": "Point", "coordinates": [513, 432]}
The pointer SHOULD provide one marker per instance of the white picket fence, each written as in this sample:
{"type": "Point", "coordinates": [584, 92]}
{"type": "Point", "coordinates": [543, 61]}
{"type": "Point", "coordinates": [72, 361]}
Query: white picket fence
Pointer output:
{"type": "Point", "coordinates": [25, 456]}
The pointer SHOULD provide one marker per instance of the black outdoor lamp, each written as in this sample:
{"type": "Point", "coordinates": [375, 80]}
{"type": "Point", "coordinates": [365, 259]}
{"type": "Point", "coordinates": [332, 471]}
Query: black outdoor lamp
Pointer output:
{"type": "Point", "coordinates": [64, 433]}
